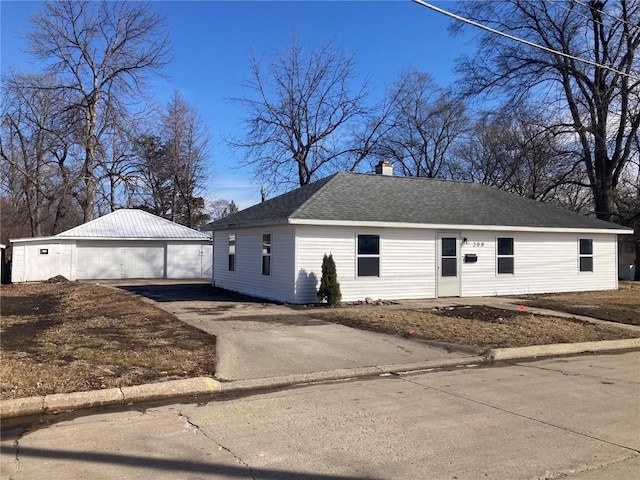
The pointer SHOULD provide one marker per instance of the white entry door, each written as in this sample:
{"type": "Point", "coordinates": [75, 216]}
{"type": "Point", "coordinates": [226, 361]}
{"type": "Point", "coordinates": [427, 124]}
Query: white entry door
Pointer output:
{"type": "Point", "coordinates": [448, 265]}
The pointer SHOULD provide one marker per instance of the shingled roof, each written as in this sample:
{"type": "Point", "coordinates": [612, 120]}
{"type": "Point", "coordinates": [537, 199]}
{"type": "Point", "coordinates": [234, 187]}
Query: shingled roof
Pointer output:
{"type": "Point", "coordinates": [366, 198]}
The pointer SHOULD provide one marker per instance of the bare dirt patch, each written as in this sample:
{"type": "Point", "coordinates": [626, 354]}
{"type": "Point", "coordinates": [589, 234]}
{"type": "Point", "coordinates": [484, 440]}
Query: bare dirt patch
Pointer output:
{"type": "Point", "coordinates": [622, 305]}
{"type": "Point", "coordinates": [69, 336]}
{"type": "Point", "coordinates": [478, 326]}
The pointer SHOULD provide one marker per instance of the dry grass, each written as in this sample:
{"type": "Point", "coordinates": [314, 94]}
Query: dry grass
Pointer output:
{"type": "Point", "coordinates": [66, 337]}
{"type": "Point", "coordinates": [478, 326]}
{"type": "Point", "coordinates": [622, 305]}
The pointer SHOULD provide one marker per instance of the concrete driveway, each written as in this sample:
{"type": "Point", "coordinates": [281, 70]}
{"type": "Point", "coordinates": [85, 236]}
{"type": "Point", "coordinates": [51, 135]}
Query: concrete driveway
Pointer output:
{"type": "Point", "coordinates": [258, 339]}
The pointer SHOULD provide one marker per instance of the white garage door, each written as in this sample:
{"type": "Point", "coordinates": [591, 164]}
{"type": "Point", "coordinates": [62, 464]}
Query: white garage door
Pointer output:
{"type": "Point", "coordinates": [113, 260]}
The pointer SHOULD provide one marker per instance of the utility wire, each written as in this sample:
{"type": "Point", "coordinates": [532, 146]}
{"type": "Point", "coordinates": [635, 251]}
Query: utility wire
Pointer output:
{"type": "Point", "coordinates": [586, 5]}
{"type": "Point", "coordinates": [521, 40]}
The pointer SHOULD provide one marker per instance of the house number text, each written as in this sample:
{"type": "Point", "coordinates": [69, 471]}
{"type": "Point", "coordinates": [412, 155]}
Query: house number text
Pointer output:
{"type": "Point", "coordinates": [477, 244]}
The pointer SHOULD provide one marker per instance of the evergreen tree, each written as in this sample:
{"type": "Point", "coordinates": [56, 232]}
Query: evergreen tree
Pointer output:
{"type": "Point", "coordinates": [329, 287]}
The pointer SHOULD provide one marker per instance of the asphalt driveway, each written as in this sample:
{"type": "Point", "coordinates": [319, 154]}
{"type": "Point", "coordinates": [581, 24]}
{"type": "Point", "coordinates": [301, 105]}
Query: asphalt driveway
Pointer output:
{"type": "Point", "coordinates": [258, 339]}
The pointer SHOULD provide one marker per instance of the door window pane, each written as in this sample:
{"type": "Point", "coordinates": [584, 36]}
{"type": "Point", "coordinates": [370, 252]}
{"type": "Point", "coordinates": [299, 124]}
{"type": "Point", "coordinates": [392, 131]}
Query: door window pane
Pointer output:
{"type": "Point", "coordinates": [449, 247]}
{"type": "Point", "coordinates": [449, 267]}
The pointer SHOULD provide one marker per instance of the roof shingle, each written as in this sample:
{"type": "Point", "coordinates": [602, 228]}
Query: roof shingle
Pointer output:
{"type": "Point", "coordinates": [353, 197]}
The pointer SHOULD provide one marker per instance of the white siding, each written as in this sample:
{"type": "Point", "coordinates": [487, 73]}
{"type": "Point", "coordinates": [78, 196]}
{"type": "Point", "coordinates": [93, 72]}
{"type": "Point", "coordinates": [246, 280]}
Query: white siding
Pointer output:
{"type": "Point", "coordinates": [29, 265]}
{"type": "Point", "coordinates": [407, 263]}
{"type": "Point", "coordinates": [247, 277]}
{"type": "Point", "coordinates": [189, 260]}
{"type": "Point", "coordinates": [543, 263]}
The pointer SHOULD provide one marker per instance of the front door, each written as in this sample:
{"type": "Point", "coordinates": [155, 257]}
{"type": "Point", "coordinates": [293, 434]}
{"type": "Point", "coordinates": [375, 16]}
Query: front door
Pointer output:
{"type": "Point", "coordinates": [448, 271]}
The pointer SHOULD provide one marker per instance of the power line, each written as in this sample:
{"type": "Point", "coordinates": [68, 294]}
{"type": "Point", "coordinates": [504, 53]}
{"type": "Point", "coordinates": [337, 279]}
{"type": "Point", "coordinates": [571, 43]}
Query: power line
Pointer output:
{"type": "Point", "coordinates": [521, 40]}
{"type": "Point", "coordinates": [605, 13]}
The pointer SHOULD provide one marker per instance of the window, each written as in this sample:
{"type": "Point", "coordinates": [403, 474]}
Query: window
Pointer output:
{"type": "Point", "coordinates": [44, 251]}
{"type": "Point", "coordinates": [266, 254]}
{"type": "Point", "coordinates": [368, 255]}
{"type": "Point", "coordinates": [505, 255]}
{"type": "Point", "coordinates": [586, 255]}
{"type": "Point", "coordinates": [232, 253]}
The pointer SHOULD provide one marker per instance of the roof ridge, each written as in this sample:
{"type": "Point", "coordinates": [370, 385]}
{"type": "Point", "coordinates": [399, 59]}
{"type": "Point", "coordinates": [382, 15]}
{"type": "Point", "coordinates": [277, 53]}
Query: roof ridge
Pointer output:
{"type": "Point", "coordinates": [77, 227]}
{"type": "Point", "coordinates": [327, 180]}
{"type": "Point", "coordinates": [165, 220]}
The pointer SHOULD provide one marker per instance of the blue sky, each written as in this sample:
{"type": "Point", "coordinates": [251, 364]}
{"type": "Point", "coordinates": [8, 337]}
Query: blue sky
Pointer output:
{"type": "Point", "coordinates": [212, 42]}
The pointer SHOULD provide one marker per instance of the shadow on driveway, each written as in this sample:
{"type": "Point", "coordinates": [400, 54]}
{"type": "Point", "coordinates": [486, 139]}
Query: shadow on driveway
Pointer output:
{"type": "Point", "coordinates": [187, 292]}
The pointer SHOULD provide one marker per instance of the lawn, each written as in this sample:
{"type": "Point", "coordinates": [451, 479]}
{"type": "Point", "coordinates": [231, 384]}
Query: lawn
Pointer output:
{"type": "Point", "coordinates": [479, 326]}
{"type": "Point", "coordinates": [71, 336]}
{"type": "Point", "coordinates": [621, 306]}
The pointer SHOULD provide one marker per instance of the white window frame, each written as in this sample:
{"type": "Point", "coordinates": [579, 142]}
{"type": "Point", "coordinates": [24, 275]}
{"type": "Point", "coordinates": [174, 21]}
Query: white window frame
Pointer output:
{"type": "Point", "coordinates": [512, 256]}
{"type": "Point", "coordinates": [367, 255]}
{"type": "Point", "coordinates": [232, 251]}
{"type": "Point", "coordinates": [585, 255]}
{"type": "Point", "coordinates": [266, 255]}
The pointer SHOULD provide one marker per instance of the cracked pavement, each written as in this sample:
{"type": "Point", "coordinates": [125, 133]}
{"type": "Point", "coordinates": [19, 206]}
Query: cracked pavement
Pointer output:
{"type": "Point", "coordinates": [575, 418]}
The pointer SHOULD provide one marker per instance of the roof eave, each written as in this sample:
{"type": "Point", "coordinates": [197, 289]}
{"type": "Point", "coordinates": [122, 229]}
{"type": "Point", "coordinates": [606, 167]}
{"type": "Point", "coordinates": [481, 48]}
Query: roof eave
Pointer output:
{"type": "Point", "coordinates": [56, 238]}
{"type": "Point", "coordinates": [498, 228]}
{"type": "Point", "coordinates": [263, 223]}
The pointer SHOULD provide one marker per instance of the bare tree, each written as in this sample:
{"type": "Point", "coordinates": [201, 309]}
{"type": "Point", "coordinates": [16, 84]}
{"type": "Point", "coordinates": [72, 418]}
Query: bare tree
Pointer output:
{"type": "Point", "coordinates": [221, 208]}
{"type": "Point", "coordinates": [425, 123]}
{"type": "Point", "coordinates": [101, 53]}
{"type": "Point", "coordinates": [37, 171]}
{"type": "Point", "coordinates": [518, 151]}
{"type": "Point", "coordinates": [153, 190]}
{"type": "Point", "coordinates": [301, 111]}
{"type": "Point", "coordinates": [597, 100]}
{"type": "Point", "coordinates": [187, 139]}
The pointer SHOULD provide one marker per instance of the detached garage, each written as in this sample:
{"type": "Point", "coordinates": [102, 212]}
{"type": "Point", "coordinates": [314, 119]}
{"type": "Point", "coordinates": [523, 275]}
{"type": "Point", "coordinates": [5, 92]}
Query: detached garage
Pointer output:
{"type": "Point", "coordinates": [122, 244]}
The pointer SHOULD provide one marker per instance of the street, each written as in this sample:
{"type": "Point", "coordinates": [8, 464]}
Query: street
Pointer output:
{"type": "Point", "coordinates": [571, 417]}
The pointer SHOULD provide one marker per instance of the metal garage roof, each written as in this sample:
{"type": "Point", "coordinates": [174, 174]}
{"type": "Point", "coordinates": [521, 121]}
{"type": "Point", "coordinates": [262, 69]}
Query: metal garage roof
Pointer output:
{"type": "Point", "coordinates": [131, 223]}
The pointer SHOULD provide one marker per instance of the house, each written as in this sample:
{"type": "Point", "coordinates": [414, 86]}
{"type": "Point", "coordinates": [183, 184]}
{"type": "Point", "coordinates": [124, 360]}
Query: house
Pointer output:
{"type": "Point", "coordinates": [123, 244]}
{"type": "Point", "coordinates": [403, 238]}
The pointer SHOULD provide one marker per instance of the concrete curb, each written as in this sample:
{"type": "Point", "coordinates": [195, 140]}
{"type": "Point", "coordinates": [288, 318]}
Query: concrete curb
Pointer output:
{"type": "Point", "coordinates": [67, 402]}
{"type": "Point", "coordinates": [534, 351]}
{"type": "Point", "coordinates": [199, 386]}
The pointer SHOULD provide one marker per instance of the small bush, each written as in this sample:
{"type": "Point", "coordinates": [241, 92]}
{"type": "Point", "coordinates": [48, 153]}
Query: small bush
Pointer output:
{"type": "Point", "coordinates": [329, 290]}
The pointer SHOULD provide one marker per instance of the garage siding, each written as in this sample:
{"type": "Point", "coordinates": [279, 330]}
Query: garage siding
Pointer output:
{"type": "Point", "coordinates": [36, 261]}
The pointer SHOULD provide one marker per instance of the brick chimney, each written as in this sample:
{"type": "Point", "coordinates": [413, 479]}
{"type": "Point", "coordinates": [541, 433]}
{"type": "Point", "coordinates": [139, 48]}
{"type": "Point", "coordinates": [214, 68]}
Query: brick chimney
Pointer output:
{"type": "Point", "coordinates": [384, 168]}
